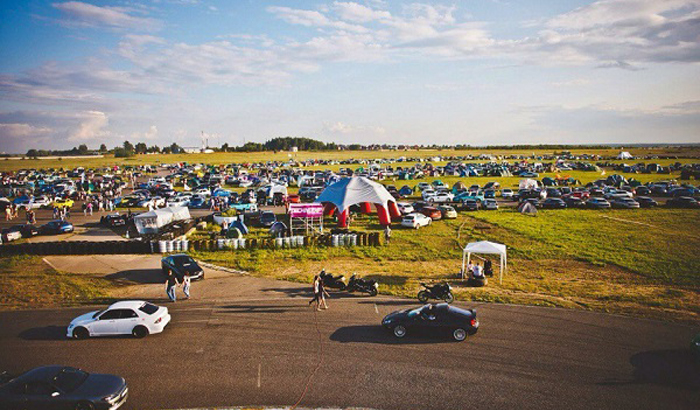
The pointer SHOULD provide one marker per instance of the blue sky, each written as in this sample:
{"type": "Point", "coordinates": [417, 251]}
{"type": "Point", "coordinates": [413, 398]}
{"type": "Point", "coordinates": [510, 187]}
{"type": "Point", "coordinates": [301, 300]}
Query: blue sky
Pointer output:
{"type": "Point", "coordinates": [462, 72]}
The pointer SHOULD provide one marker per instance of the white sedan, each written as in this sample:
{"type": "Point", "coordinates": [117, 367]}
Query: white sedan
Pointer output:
{"type": "Point", "coordinates": [131, 317]}
{"type": "Point", "coordinates": [404, 207]}
{"type": "Point", "coordinates": [441, 197]}
{"type": "Point", "coordinates": [415, 220]}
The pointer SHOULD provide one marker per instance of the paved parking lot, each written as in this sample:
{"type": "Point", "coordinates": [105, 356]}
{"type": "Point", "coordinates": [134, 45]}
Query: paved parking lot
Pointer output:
{"type": "Point", "coordinates": [245, 340]}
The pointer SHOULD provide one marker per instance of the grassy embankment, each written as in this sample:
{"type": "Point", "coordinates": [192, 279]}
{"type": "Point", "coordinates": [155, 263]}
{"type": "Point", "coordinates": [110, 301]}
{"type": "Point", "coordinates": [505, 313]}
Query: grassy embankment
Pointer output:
{"type": "Point", "coordinates": [642, 263]}
{"type": "Point", "coordinates": [28, 282]}
{"type": "Point", "coordinates": [241, 157]}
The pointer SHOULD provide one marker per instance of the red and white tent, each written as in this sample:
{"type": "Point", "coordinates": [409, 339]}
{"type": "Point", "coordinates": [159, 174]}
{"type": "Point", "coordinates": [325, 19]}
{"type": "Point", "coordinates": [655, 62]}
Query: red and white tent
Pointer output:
{"type": "Point", "coordinates": [340, 196]}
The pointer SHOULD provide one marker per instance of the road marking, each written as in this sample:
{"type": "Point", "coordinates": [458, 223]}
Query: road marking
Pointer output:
{"type": "Point", "coordinates": [259, 371]}
{"type": "Point", "coordinates": [50, 264]}
{"type": "Point", "coordinates": [375, 308]}
{"type": "Point", "coordinates": [199, 321]}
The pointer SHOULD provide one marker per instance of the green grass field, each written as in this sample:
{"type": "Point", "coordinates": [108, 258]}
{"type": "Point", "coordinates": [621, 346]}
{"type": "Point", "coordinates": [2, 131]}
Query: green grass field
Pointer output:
{"type": "Point", "coordinates": [569, 258]}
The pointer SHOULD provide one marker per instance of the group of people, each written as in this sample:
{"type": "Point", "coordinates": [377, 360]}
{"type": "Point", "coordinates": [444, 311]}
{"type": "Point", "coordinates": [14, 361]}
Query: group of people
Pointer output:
{"type": "Point", "coordinates": [61, 212]}
{"type": "Point", "coordinates": [474, 270]}
{"type": "Point", "coordinates": [10, 212]}
{"type": "Point", "coordinates": [320, 293]}
{"type": "Point", "coordinates": [171, 284]}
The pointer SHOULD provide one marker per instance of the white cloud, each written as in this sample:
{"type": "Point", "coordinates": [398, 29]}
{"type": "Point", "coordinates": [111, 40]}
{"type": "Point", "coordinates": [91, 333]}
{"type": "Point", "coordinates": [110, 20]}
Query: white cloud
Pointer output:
{"type": "Point", "coordinates": [358, 13]}
{"type": "Point", "coordinates": [88, 15]}
{"type": "Point", "coordinates": [91, 127]}
{"type": "Point", "coordinates": [22, 130]}
{"type": "Point", "coordinates": [347, 129]}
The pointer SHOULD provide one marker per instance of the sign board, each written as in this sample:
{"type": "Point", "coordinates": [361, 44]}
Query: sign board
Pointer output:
{"type": "Point", "coordinates": [305, 210]}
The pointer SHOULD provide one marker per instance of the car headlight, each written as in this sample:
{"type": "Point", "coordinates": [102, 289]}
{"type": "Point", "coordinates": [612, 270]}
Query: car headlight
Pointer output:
{"type": "Point", "coordinates": [697, 343]}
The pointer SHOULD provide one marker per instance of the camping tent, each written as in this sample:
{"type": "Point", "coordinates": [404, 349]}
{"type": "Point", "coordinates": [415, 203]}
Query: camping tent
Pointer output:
{"type": "Point", "coordinates": [624, 155]}
{"type": "Point", "coordinates": [152, 221]}
{"type": "Point", "coordinates": [487, 248]}
{"type": "Point", "coordinates": [527, 184]}
{"type": "Point", "coordinates": [343, 194]}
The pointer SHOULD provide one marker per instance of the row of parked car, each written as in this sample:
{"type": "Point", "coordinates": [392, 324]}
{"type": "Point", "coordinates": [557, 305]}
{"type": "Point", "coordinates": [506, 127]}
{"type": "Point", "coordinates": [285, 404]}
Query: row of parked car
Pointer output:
{"type": "Point", "coordinates": [20, 231]}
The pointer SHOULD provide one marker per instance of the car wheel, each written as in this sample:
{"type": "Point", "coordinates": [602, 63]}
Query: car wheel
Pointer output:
{"type": "Point", "coordinates": [459, 334]}
{"type": "Point", "coordinates": [140, 331]}
{"type": "Point", "coordinates": [84, 405]}
{"type": "Point", "coordinates": [423, 296]}
{"type": "Point", "coordinates": [449, 298]}
{"type": "Point", "coordinates": [400, 331]}
{"type": "Point", "coordinates": [80, 333]}
{"type": "Point", "coordinates": [373, 292]}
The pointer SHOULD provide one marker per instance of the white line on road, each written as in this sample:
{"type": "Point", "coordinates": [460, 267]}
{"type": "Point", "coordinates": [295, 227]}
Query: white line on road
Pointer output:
{"type": "Point", "coordinates": [375, 308]}
{"type": "Point", "coordinates": [198, 321]}
{"type": "Point", "coordinates": [49, 263]}
{"type": "Point", "coordinates": [259, 370]}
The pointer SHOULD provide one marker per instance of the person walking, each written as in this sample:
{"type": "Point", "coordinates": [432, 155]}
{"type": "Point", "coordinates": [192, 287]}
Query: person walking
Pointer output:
{"type": "Point", "coordinates": [387, 234]}
{"type": "Point", "coordinates": [316, 288]}
{"type": "Point", "coordinates": [186, 285]}
{"type": "Point", "coordinates": [322, 295]}
{"type": "Point", "coordinates": [170, 284]}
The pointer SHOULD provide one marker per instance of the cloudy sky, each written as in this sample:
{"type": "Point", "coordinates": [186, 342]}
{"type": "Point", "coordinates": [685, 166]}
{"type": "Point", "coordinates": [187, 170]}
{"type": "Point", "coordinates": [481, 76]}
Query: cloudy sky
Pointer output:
{"type": "Point", "coordinates": [462, 72]}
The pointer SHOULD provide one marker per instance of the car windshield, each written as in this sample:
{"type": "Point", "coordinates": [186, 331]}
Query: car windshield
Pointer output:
{"type": "Point", "coordinates": [416, 311]}
{"type": "Point", "coordinates": [69, 379]}
{"type": "Point", "coordinates": [149, 308]}
{"type": "Point", "coordinates": [99, 312]}
{"type": "Point", "coordinates": [182, 260]}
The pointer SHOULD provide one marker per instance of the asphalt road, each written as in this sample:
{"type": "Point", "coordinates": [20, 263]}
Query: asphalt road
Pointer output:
{"type": "Point", "coordinates": [249, 341]}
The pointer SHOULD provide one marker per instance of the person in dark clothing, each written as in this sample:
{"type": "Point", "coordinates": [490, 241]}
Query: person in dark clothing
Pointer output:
{"type": "Point", "coordinates": [170, 284]}
{"type": "Point", "coordinates": [488, 268]}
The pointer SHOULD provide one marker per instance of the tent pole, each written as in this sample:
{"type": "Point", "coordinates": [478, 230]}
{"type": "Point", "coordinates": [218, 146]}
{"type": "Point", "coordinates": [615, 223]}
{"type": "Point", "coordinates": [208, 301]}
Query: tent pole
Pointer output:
{"type": "Point", "coordinates": [464, 257]}
{"type": "Point", "coordinates": [500, 275]}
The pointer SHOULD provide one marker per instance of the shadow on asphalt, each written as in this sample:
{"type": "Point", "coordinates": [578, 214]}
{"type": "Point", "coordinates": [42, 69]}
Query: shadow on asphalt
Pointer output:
{"type": "Point", "coordinates": [44, 333]}
{"type": "Point", "coordinates": [260, 309]}
{"type": "Point", "coordinates": [139, 276]}
{"type": "Point", "coordinates": [307, 293]}
{"type": "Point", "coordinates": [377, 334]}
{"type": "Point", "coordinates": [675, 368]}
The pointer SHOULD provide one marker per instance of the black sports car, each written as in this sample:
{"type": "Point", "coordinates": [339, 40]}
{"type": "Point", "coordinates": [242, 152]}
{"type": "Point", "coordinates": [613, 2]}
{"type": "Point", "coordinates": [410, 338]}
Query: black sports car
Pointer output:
{"type": "Point", "coordinates": [60, 387]}
{"type": "Point", "coordinates": [180, 264]}
{"type": "Point", "coordinates": [114, 220]}
{"type": "Point", "coordinates": [433, 318]}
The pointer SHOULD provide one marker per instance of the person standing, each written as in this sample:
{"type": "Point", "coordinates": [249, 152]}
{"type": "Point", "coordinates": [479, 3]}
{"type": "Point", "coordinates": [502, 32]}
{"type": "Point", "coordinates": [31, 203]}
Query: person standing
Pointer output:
{"type": "Point", "coordinates": [186, 280]}
{"type": "Point", "coordinates": [170, 284]}
{"type": "Point", "coordinates": [387, 234]}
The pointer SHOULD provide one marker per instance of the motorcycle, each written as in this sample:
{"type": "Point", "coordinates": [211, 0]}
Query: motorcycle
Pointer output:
{"type": "Point", "coordinates": [363, 285]}
{"type": "Point", "coordinates": [333, 282]}
{"type": "Point", "coordinates": [438, 291]}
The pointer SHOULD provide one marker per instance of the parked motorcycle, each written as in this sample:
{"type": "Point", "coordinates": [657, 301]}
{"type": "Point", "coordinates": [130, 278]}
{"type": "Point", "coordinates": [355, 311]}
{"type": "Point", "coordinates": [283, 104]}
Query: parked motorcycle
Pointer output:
{"type": "Point", "coordinates": [332, 282]}
{"type": "Point", "coordinates": [441, 291]}
{"type": "Point", "coordinates": [362, 285]}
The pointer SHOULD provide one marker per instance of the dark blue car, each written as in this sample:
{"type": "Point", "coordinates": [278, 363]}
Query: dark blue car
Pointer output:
{"type": "Point", "coordinates": [56, 227]}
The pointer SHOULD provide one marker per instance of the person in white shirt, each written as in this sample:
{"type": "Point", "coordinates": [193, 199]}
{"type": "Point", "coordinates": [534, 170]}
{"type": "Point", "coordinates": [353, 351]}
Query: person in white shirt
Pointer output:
{"type": "Point", "coordinates": [186, 285]}
{"type": "Point", "coordinates": [478, 273]}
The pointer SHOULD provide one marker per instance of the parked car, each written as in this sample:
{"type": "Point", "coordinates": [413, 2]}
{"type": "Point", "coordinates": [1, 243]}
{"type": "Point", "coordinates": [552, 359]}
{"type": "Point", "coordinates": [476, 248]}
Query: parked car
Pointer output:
{"type": "Point", "coordinates": [431, 212]}
{"type": "Point", "coordinates": [405, 208]}
{"type": "Point", "coordinates": [683, 202]}
{"type": "Point", "coordinates": [179, 264]}
{"type": "Point", "coordinates": [695, 347]}
{"type": "Point", "coordinates": [11, 234]}
{"type": "Point", "coordinates": [646, 202]}
{"type": "Point", "coordinates": [597, 203]}
{"type": "Point", "coordinates": [435, 319]}
{"type": "Point", "coordinates": [507, 193]}
{"type": "Point", "coordinates": [553, 203]}
{"type": "Point", "coordinates": [489, 193]}
{"type": "Point", "coordinates": [447, 212]}
{"type": "Point", "coordinates": [128, 317]}
{"type": "Point", "coordinates": [56, 227]}
{"type": "Point", "coordinates": [489, 204]}
{"type": "Point", "coordinates": [62, 203]}
{"type": "Point", "coordinates": [642, 191]}
{"type": "Point", "coordinates": [293, 199]}
{"type": "Point", "coordinates": [60, 387]}
{"type": "Point", "coordinates": [415, 221]}
{"type": "Point", "coordinates": [113, 220]}
{"type": "Point", "coordinates": [28, 230]}
{"type": "Point", "coordinates": [471, 205]}
{"type": "Point", "coordinates": [267, 218]}
{"type": "Point", "coordinates": [441, 197]}
{"type": "Point", "coordinates": [178, 201]}
{"type": "Point", "coordinates": [624, 203]}
{"type": "Point", "coordinates": [574, 202]}
{"type": "Point", "coordinates": [197, 202]}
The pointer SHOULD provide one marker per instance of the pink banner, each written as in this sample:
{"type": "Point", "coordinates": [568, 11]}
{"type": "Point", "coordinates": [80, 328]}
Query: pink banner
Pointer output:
{"type": "Point", "coordinates": [305, 210]}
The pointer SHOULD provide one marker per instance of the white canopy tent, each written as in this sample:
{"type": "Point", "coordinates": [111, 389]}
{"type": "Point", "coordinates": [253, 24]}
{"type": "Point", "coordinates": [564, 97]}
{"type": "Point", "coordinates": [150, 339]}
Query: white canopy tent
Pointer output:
{"type": "Point", "coordinates": [487, 248]}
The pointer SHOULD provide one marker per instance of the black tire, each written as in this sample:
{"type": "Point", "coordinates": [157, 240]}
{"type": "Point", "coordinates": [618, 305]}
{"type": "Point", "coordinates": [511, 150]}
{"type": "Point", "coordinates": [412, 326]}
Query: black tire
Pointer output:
{"type": "Point", "coordinates": [373, 292]}
{"type": "Point", "coordinates": [399, 331]}
{"type": "Point", "coordinates": [423, 296]}
{"type": "Point", "coordinates": [459, 334]}
{"type": "Point", "coordinates": [140, 332]}
{"type": "Point", "coordinates": [80, 333]}
{"type": "Point", "coordinates": [449, 298]}
{"type": "Point", "coordinates": [84, 405]}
